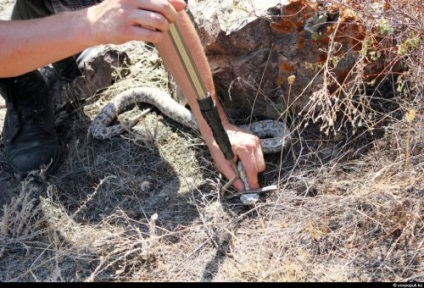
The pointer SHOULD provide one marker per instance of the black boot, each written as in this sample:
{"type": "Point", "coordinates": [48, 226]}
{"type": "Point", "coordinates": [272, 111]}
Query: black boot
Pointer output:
{"type": "Point", "coordinates": [29, 134]}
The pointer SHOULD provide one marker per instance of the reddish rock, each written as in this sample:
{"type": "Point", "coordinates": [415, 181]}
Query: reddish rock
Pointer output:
{"type": "Point", "coordinates": [253, 50]}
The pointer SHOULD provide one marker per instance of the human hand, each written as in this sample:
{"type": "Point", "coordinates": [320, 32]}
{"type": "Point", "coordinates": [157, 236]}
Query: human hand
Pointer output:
{"type": "Point", "coordinates": [120, 21]}
{"type": "Point", "coordinates": [247, 149]}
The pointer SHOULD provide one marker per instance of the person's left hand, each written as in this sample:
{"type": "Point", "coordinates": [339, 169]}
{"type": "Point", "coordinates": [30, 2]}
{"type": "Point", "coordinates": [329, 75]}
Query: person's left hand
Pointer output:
{"type": "Point", "coordinates": [247, 149]}
{"type": "Point", "coordinates": [120, 21]}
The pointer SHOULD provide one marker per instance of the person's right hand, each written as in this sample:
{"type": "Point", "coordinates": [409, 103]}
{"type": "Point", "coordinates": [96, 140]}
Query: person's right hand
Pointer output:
{"type": "Point", "coordinates": [120, 21]}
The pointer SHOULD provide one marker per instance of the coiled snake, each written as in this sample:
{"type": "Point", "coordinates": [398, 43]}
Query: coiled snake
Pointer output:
{"type": "Point", "coordinates": [276, 131]}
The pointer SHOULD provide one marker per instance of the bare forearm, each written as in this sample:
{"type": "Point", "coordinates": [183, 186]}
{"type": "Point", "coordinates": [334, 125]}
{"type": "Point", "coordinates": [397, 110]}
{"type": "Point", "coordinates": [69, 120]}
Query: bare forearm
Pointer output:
{"type": "Point", "coordinates": [29, 44]}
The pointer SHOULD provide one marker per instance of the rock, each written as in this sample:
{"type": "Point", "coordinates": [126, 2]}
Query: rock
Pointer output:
{"type": "Point", "coordinates": [254, 47]}
{"type": "Point", "coordinates": [101, 68]}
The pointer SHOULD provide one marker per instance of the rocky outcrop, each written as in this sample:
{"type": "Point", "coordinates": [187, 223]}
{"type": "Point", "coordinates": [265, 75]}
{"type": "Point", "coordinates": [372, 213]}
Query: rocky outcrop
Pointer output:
{"type": "Point", "coordinates": [268, 56]}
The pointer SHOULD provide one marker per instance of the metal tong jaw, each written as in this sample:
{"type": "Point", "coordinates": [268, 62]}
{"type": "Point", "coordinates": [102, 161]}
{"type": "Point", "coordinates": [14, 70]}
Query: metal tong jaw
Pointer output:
{"type": "Point", "coordinates": [248, 196]}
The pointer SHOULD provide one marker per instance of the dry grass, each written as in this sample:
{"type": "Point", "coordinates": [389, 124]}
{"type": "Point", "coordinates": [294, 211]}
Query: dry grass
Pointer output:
{"type": "Point", "coordinates": [146, 208]}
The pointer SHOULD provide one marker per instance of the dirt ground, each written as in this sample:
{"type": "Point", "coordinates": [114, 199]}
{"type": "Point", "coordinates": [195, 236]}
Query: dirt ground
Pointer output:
{"type": "Point", "coordinates": [145, 206]}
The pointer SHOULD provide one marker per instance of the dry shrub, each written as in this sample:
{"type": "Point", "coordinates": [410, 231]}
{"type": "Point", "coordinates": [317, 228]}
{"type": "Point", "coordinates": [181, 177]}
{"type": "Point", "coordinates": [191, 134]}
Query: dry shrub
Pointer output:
{"type": "Point", "coordinates": [391, 47]}
{"type": "Point", "coordinates": [21, 222]}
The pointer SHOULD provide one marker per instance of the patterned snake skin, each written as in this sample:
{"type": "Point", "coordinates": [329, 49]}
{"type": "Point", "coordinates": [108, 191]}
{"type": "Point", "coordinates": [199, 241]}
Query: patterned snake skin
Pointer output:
{"type": "Point", "coordinates": [276, 131]}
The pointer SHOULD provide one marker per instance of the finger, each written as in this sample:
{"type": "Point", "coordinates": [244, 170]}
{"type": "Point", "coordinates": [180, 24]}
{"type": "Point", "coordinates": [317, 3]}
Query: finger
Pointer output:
{"type": "Point", "coordinates": [260, 161]}
{"type": "Point", "coordinates": [162, 7]}
{"type": "Point", "coordinates": [248, 160]}
{"type": "Point", "coordinates": [149, 20]}
{"type": "Point", "coordinates": [145, 34]}
{"type": "Point", "coordinates": [228, 171]}
{"type": "Point", "coordinates": [179, 5]}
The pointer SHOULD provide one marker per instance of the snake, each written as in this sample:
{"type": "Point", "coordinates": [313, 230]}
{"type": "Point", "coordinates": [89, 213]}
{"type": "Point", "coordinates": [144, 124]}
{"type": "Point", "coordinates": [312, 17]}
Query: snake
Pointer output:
{"type": "Point", "coordinates": [273, 134]}
{"type": "Point", "coordinates": [101, 129]}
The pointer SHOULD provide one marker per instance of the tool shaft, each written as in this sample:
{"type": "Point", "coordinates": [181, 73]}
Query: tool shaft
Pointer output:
{"type": "Point", "coordinates": [188, 62]}
{"type": "Point", "coordinates": [207, 106]}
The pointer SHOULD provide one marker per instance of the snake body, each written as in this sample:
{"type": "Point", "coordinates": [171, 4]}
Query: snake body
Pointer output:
{"type": "Point", "coordinates": [100, 128]}
{"type": "Point", "coordinates": [276, 131]}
